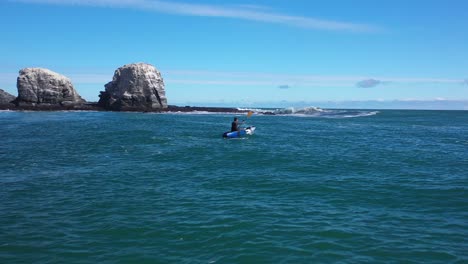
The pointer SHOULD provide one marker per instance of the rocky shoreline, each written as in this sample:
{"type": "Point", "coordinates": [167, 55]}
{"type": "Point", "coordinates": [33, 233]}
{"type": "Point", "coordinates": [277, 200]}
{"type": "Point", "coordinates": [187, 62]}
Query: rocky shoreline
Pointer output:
{"type": "Point", "coordinates": [136, 87]}
{"type": "Point", "coordinates": [94, 106]}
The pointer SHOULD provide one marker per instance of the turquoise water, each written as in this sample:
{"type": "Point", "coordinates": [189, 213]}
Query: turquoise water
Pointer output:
{"type": "Point", "coordinates": [340, 186]}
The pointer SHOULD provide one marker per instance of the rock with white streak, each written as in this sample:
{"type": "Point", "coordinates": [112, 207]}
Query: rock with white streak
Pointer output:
{"type": "Point", "coordinates": [135, 87]}
{"type": "Point", "coordinates": [43, 87]}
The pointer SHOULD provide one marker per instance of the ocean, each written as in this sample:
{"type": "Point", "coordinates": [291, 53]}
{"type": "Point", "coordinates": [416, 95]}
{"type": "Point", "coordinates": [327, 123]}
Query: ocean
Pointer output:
{"type": "Point", "coordinates": [310, 186]}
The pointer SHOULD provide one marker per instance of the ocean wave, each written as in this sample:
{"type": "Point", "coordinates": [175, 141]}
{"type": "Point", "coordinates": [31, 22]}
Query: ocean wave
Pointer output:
{"type": "Point", "coordinates": [195, 113]}
{"type": "Point", "coordinates": [313, 111]}
{"type": "Point", "coordinates": [255, 110]}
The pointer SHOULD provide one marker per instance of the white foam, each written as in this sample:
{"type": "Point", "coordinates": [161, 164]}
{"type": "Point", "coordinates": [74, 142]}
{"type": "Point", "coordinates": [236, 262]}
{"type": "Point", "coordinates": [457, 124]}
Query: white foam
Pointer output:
{"type": "Point", "coordinates": [197, 113]}
{"type": "Point", "coordinates": [362, 114]}
{"type": "Point", "coordinates": [311, 111]}
{"type": "Point", "coordinates": [314, 111]}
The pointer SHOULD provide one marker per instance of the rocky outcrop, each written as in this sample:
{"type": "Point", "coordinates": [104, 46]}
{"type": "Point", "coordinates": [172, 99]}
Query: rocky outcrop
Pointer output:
{"type": "Point", "coordinates": [6, 98]}
{"type": "Point", "coordinates": [135, 87]}
{"type": "Point", "coordinates": [41, 87]}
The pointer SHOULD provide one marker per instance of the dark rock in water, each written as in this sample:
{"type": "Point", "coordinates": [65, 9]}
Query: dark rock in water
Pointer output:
{"type": "Point", "coordinates": [39, 87]}
{"type": "Point", "coordinates": [135, 87]}
{"type": "Point", "coordinates": [6, 99]}
{"type": "Point", "coordinates": [173, 108]}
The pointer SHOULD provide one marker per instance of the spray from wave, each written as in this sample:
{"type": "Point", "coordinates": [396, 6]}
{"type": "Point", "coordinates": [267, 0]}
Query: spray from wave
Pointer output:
{"type": "Point", "coordinates": [313, 111]}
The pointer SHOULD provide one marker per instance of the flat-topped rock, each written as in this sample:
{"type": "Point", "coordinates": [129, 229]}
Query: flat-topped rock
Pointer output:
{"type": "Point", "coordinates": [135, 87]}
{"type": "Point", "coordinates": [43, 87]}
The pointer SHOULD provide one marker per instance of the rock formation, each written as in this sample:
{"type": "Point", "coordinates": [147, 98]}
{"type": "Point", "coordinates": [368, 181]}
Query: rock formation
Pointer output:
{"type": "Point", "coordinates": [42, 87]}
{"type": "Point", "coordinates": [137, 87]}
{"type": "Point", "coordinates": [6, 98]}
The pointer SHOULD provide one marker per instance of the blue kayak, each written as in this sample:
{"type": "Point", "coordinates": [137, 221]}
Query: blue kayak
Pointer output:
{"type": "Point", "coordinates": [242, 133]}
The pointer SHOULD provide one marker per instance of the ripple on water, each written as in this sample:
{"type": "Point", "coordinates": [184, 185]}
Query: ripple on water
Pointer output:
{"type": "Point", "coordinates": [132, 187]}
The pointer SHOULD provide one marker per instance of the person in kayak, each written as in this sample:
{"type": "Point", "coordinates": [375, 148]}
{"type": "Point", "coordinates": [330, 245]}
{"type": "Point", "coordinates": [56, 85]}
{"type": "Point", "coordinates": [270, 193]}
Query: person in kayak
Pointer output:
{"type": "Point", "coordinates": [235, 125]}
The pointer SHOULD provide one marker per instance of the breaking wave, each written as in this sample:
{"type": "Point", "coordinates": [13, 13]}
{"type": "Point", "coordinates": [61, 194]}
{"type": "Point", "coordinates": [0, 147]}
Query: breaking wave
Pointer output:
{"type": "Point", "coordinates": [313, 111]}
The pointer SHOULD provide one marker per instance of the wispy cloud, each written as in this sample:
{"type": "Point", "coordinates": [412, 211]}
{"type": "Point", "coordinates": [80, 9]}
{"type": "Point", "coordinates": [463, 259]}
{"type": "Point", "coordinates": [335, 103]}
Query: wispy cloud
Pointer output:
{"type": "Point", "coordinates": [311, 80]}
{"type": "Point", "coordinates": [284, 86]}
{"type": "Point", "coordinates": [368, 83]}
{"type": "Point", "coordinates": [281, 81]}
{"type": "Point", "coordinates": [254, 7]}
{"type": "Point", "coordinates": [244, 12]}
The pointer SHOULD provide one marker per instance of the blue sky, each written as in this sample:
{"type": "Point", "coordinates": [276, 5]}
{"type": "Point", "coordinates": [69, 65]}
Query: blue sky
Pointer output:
{"type": "Point", "coordinates": [243, 53]}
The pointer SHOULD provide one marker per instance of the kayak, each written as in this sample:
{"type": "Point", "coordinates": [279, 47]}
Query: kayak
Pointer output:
{"type": "Point", "coordinates": [242, 133]}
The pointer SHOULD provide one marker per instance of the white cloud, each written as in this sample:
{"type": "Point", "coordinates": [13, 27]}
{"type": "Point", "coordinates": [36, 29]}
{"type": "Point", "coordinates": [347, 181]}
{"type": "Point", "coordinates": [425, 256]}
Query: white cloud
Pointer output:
{"type": "Point", "coordinates": [368, 83]}
{"type": "Point", "coordinates": [244, 12]}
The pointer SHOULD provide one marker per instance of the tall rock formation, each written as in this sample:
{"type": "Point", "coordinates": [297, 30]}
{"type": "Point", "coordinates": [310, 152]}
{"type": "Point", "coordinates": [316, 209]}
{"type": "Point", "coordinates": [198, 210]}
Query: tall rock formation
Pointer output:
{"type": "Point", "coordinates": [6, 98]}
{"type": "Point", "coordinates": [42, 87]}
{"type": "Point", "coordinates": [137, 87]}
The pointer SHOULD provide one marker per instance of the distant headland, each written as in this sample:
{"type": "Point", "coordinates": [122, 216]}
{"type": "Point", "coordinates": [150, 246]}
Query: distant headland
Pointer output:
{"type": "Point", "coordinates": [137, 87]}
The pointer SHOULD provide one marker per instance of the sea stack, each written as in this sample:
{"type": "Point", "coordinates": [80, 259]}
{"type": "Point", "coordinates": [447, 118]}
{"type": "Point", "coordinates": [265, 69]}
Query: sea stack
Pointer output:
{"type": "Point", "coordinates": [6, 99]}
{"type": "Point", "coordinates": [135, 87]}
{"type": "Point", "coordinates": [38, 87]}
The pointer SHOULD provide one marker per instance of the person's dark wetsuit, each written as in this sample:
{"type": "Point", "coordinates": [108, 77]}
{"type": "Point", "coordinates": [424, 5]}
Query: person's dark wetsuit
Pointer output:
{"type": "Point", "coordinates": [234, 126]}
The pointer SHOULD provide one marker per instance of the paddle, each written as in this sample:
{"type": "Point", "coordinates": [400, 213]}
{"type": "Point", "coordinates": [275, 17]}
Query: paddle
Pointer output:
{"type": "Point", "coordinates": [249, 114]}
